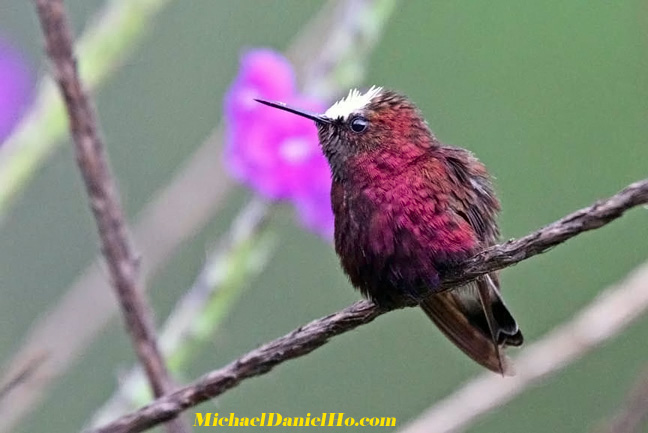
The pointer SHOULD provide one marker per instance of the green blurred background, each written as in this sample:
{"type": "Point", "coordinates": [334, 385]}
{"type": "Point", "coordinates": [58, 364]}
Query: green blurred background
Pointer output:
{"type": "Point", "coordinates": [552, 96]}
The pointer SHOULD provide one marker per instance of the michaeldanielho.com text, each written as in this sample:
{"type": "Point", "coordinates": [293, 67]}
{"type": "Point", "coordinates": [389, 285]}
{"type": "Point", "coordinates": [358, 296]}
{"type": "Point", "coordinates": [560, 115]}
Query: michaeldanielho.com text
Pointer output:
{"type": "Point", "coordinates": [273, 419]}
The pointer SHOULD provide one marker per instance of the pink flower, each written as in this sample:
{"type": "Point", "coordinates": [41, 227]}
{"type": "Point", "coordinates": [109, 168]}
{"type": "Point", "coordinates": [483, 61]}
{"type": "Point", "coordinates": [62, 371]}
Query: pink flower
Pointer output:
{"type": "Point", "coordinates": [276, 154]}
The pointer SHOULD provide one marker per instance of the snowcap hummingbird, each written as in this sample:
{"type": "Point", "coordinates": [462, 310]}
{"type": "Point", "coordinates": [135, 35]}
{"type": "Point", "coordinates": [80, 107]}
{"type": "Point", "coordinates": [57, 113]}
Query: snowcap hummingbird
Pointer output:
{"type": "Point", "coordinates": [407, 208]}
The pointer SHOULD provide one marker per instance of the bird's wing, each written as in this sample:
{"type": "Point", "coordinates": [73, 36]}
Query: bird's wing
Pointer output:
{"type": "Point", "coordinates": [472, 198]}
{"type": "Point", "coordinates": [474, 317]}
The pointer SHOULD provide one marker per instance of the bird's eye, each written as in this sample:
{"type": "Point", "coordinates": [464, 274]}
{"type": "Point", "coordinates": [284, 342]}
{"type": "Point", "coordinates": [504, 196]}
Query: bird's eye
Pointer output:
{"type": "Point", "coordinates": [358, 124]}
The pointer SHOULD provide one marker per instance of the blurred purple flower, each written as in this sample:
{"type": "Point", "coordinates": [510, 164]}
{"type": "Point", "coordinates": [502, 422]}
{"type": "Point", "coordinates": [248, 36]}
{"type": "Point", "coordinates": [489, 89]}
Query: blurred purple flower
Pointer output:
{"type": "Point", "coordinates": [277, 154]}
{"type": "Point", "coordinates": [15, 87]}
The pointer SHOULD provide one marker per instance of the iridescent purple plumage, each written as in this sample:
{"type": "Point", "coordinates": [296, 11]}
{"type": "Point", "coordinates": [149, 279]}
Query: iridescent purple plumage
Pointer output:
{"type": "Point", "coordinates": [407, 208]}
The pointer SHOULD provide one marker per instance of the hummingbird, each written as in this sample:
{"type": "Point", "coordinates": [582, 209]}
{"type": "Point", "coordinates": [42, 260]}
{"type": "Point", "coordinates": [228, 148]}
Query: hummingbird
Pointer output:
{"type": "Point", "coordinates": [407, 209]}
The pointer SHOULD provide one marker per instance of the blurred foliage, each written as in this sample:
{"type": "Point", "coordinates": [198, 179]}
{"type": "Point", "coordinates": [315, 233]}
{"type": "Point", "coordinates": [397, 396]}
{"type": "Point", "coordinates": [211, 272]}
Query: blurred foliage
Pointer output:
{"type": "Point", "coordinates": [120, 29]}
{"type": "Point", "coordinates": [550, 95]}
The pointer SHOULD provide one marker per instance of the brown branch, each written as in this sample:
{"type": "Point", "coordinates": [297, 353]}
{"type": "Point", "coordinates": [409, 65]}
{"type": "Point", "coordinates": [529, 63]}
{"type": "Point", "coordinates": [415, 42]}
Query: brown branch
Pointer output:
{"type": "Point", "coordinates": [307, 338]}
{"type": "Point", "coordinates": [590, 218]}
{"type": "Point", "coordinates": [175, 213]}
{"type": "Point", "coordinates": [611, 312]}
{"type": "Point", "coordinates": [634, 412]}
{"type": "Point", "coordinates": [103, 196]}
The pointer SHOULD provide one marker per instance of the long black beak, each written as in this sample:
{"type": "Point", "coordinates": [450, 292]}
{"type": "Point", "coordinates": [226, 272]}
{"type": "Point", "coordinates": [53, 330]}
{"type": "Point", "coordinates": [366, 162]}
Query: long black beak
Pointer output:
{"type": "Point", "coordinates": [318, 118]}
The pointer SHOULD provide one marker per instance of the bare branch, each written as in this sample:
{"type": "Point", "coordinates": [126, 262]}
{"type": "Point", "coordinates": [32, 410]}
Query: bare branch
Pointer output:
{"type": "Point", "coordinates": [586, 219]}
{"type": "Point", "coordinates": [103, 196]}
{"type": "Point", "coordinates": [241, 253]}
{"type": "Point", "coordinates": [182, 207]}
{"type": "Point", "coordinates": [605, 317]}
{"type": "Point", "coordinates": [307, 338]}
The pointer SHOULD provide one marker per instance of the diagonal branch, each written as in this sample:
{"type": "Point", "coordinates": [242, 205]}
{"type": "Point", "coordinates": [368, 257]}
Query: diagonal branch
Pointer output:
{"type": "Point", "coordinates": [606, 316]}
{"type": "Point", "coordinates": [590, 218]}
{"type": "Point", "coordinates": [241, 253]}
{"type": "Point", "coordinates": [182, 207]}
{"type": "Point", "coordinates": [103, 195]}
{"type": "Point", "coordinates": [309, 337]}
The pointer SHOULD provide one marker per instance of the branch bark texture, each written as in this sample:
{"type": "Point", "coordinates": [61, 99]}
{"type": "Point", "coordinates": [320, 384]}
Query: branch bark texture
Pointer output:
{"type": "Point", "coordinates": [183, 206]}
{"type": "Point", "coordinates": [606, 316]}
{"type": "Point", "coordinates": [103, 195]}
{"type": "Point", "coordinates": [307, 338]}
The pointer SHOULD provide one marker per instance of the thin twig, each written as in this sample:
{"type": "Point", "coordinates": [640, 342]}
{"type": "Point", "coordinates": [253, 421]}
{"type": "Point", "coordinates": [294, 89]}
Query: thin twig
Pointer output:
{"type": "Point", "coordinates": [119, 28]}
{"type": "Point", "coordinates": [586, 219]}
{"type": "Point", "coordinates": [307, 338]}
{"type": "Point", "coordinates": [103, 196]}
{"type": "Point", "coordinates": [182, 207]}
{"type": "Point", "coordinates": [610, 313]}
{"type": "Point", "coordinates": [242, 253]}
{"type": "Point", "coordinates": [634, 412]}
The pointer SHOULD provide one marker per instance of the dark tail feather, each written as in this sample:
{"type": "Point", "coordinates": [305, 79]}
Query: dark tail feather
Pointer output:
{"type": "Point", "coordinates": [475, 318]}
{"type": "Point", "coordinates": [506, 331]}
{"type": "Point", "coordinates": [485, 300]}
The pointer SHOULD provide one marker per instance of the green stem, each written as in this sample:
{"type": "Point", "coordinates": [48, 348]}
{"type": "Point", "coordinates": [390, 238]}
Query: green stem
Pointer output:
{"type": "Point", "coordinates": [354, 32]}
{"type": "Point", "coordinates": [116, 33]}
{"type": "Point", "coordinates": [229, 268]}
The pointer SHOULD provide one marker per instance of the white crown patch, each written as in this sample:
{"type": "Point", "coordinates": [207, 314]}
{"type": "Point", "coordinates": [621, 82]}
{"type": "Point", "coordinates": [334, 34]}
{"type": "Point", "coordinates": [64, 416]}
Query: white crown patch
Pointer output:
{"type": "Point", "coordinates": [354, 101]}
